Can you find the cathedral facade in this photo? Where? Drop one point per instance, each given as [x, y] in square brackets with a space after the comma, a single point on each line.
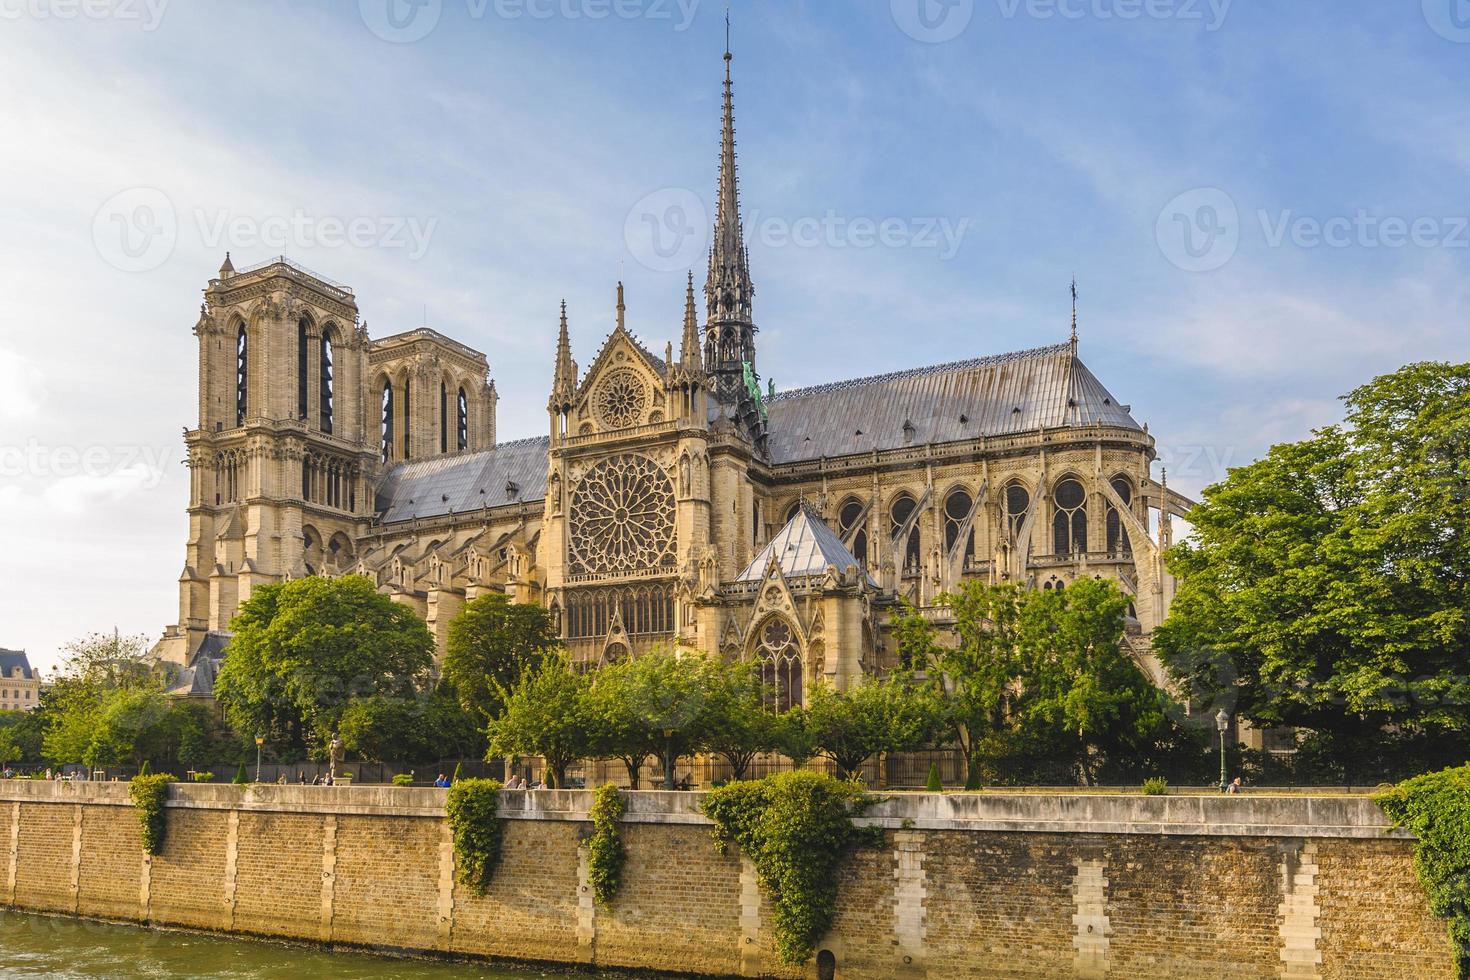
[673, 502]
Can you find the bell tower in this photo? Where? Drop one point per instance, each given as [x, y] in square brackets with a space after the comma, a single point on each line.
[280, 462]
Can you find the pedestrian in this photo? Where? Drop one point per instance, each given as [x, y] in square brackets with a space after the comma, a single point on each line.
[1235, 786]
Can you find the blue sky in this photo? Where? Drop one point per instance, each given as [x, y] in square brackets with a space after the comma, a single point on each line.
[1263, 203]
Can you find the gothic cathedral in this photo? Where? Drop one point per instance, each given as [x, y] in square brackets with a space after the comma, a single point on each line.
[674, 502]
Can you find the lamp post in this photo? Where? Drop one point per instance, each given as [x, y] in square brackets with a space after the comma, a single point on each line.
[668, 758]
[260, 740]
[1222, 722]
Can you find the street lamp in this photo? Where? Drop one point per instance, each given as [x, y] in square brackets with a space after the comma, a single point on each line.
[668, 758]
[1222, 722]
[260, 740]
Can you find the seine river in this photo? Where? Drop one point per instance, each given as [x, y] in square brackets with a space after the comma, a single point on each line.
[42, 946]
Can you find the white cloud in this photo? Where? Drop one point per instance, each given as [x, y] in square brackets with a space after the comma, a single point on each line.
[22, 386]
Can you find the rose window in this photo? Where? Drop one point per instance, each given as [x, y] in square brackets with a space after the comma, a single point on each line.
[622, 400]
[622, 517]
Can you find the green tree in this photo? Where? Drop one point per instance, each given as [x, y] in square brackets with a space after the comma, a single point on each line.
[546, 714]
[978, 671]
[1325, 584]
[491, 643]
[739, 725]
[384, 728]
[891, 714]
[25, 730]
[621, 730]
[10, 748]
[303, 650]
[671, 693]
[1079, 685]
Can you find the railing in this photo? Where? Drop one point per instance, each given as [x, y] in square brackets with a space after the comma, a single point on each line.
[344, 290]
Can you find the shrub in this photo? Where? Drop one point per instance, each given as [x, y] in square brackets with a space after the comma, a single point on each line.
[1435, 808]
[150, 794]
[403, 779]
[240, 778]
[934, 785]
[797, 829]
[605, 851]
[474, 818]
[203, 777]
[1155, 786]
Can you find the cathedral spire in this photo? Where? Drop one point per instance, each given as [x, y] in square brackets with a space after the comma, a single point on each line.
[728, 290]
[689, 345]
[564, 382]
[1074, 314]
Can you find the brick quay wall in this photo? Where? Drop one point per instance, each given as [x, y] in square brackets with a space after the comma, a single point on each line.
[981, 886]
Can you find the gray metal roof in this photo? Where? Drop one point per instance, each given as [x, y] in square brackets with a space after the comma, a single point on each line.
[15, 660]
[1043, 388]
[805, 547]
[510, 473]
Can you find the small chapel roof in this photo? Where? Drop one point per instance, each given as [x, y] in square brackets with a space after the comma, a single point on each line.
[805, 547]
[1048, 387]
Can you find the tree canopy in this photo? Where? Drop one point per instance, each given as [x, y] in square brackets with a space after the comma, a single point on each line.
[303, 650]
[1325, 584]
[490, 644]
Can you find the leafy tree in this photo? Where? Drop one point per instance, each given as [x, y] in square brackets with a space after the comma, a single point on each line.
[1079, 685]
[1039, 686]
[384, 728]
[892, 714]
[1325, 584]
[546, 714]
[24, 730]
[621, 730]
[672, 696]
[978, 672]
[491, 643]
[739, 724]
[10, 749]
[303, 650]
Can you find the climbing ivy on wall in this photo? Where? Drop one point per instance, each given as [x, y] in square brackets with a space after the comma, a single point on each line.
[474, 818]
[150, 796]
[797, 829]
[605, 851]
[1435, 808]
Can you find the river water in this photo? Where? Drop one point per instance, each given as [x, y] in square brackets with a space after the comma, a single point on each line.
[68, 949]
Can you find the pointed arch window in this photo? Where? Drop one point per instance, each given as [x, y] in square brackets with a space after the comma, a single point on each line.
[407, 421]
[443, 418]
[463, 439]
[242, 376]
[386, 425]
[303, 369]
[1118, 543]
[1069, 523]
[848, 518]
[326, 398]
[957, 508]
[780, 665]
[1017, 501]
[899, 514]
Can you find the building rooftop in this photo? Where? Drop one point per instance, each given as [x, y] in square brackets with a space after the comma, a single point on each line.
[1048, 387]
[512, 472]
[15, 664]
[805, 547]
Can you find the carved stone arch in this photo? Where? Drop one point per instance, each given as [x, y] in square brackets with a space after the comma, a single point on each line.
[779, 651]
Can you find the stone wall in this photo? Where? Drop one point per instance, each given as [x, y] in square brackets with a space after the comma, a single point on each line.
[978, 886]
